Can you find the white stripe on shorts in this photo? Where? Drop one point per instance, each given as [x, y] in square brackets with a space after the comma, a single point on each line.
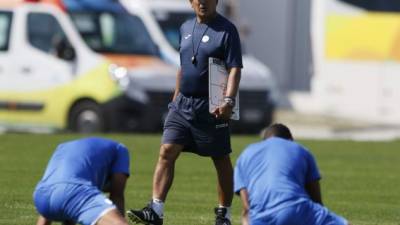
[103, 213]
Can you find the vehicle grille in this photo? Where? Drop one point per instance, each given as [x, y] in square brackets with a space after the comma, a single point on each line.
[259, 99]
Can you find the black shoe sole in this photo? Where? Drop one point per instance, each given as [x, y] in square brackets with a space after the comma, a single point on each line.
[135, 219]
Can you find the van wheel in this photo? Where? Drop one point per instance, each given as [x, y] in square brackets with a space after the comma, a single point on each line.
[86, 117]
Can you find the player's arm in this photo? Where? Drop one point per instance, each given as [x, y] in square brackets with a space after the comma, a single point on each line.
[225, 110]
[245, 206]
[177, 83]
[314, 190]
[233, 81]
[117, 188]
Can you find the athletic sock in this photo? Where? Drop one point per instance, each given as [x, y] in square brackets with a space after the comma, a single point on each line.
[158, 206]
[228, 211]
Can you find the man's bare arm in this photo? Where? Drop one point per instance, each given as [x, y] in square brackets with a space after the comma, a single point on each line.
[177, 83]
[232, 88]
[245, 206]
[118, 183]
[314, 190]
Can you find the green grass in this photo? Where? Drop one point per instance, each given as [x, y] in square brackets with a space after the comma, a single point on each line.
[360, 179]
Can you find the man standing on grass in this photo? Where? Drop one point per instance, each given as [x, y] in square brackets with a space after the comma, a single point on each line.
[71, 188]
[278, 182]
[189, 126]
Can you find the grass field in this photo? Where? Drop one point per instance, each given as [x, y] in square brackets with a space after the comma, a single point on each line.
[361, 180]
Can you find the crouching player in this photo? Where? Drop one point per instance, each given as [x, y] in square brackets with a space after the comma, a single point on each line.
[278, 182]
[71, 188]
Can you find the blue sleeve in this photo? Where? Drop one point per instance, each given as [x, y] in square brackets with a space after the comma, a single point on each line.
[312, 168]
[121, 161]
[233, 52]
[239, 181]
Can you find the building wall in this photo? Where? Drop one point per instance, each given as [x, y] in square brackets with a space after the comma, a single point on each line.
[280, 37]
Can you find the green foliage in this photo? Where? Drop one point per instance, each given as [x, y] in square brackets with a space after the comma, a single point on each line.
[360, 179]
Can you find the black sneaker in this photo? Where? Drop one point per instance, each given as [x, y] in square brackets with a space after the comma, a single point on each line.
[145, 216]
[220, 217]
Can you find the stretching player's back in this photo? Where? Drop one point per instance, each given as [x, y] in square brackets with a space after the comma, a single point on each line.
[71, 188]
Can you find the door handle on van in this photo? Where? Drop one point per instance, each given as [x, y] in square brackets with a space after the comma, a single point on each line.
[26, 70]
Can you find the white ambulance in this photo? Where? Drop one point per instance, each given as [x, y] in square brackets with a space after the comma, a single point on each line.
[50, 79]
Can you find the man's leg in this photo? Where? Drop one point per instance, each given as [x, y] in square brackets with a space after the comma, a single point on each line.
[43, 221]
[223, 165]
[112, 217]
[162, 182]
[164, 171]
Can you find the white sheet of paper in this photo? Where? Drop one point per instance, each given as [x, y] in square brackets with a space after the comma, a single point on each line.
[217, 83]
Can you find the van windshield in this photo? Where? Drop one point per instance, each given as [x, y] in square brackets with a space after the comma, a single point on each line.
[5, 25]
[170, 23]
[376, 5]
[114, 33]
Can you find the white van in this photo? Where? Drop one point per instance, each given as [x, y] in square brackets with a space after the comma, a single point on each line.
[258, 88]
[50, 79]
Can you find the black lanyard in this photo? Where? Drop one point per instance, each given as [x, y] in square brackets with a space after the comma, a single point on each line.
[196, 50]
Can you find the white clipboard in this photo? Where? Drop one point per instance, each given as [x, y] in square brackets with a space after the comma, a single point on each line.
[217, 83]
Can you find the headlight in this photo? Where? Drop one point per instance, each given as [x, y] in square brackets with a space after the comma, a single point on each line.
[131, 89]
[120, 75]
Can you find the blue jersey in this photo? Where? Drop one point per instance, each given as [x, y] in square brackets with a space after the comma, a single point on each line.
[219, 39]
[274, 173]
[89, 161]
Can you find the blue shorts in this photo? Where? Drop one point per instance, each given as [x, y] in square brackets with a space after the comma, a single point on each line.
[190, 124]
[83, 204]
[305, 213]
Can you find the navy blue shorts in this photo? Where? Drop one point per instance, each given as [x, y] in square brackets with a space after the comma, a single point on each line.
[190, 124]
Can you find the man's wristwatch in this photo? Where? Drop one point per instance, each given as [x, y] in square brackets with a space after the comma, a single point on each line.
[229, 101]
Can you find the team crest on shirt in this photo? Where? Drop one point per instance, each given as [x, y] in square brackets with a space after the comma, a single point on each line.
[205, 39]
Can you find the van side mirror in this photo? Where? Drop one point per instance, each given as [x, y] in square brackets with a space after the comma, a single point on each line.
[64, 50]
[68, 53]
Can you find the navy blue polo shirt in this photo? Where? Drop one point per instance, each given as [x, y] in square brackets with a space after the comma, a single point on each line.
[219, 39]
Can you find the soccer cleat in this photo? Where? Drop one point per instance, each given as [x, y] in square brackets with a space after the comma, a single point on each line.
[145, 216]
[220, 218]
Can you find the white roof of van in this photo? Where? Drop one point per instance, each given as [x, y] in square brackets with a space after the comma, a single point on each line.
[10, 3]
[171, 5]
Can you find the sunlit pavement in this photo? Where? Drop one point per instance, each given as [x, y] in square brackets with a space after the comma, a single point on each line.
[305, 126]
